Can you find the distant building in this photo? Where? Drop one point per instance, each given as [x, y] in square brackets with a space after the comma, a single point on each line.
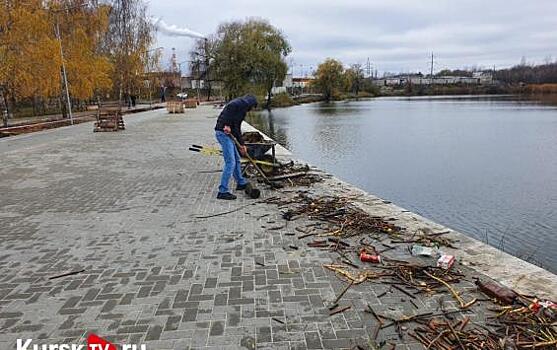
[191, 83]
[485, 77]
[401, 79]
[283, 86]
[287, 82]
[301, 82]
[419, 79]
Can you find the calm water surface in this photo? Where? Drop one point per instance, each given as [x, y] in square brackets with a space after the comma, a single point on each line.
[486, 166]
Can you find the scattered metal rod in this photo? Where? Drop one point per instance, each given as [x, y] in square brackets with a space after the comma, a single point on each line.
[226, 212]
[350, 263]
[66, 274]
[210, 172]
[343, 292]
[340, 310]
[371, 311]
[376, 332]
[403, 291]
[404, 319]
[463, 305]
[338, 241]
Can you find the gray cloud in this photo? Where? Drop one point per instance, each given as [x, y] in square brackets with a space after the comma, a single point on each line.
[395, 35]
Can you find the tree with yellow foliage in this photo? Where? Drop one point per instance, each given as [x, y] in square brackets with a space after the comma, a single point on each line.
[104, 46]
[82, 28]
[28, 65]
[30, 59]
[329, 78]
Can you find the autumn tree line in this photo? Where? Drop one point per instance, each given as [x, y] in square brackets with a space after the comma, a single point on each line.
[104, 48]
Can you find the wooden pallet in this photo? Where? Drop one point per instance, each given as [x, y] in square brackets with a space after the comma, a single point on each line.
[190, 103]
[175, 107]
[109, 117]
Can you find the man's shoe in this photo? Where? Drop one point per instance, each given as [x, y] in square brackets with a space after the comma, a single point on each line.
[226, 196]
[242, 187]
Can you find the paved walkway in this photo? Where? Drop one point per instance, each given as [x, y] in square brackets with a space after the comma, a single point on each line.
[122, 207]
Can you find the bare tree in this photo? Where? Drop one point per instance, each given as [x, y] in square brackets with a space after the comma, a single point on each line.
[129, 37]
[202, 59]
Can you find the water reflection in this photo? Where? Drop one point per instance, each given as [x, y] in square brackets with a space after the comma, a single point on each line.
[265, 121]
[484, 165]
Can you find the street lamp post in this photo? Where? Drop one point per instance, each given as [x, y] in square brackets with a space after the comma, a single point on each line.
[197, 62]
[64, 75]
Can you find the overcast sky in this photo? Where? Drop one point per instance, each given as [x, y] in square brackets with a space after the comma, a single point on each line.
[396, 35]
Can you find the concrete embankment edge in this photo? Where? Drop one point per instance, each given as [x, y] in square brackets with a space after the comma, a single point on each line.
[520, 275]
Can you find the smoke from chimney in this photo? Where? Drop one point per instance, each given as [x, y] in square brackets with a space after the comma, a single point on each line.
[173, 30]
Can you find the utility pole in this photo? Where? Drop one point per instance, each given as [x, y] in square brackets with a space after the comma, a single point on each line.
[431, 73]
[64, 75]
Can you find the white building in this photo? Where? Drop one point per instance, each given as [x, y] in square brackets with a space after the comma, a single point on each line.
[419, 79]
[282, 87]
[485, 77]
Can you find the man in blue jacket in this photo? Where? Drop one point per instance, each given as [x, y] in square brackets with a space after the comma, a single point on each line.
[229, 124]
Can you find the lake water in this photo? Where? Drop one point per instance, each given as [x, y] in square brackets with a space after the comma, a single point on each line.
[486, 166]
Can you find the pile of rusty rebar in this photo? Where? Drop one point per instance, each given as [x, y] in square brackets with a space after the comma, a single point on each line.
[344, 218]
[443, 334]
[517, 328]
[294, 175]
[339, 226]
[427, 238]
[527, 326]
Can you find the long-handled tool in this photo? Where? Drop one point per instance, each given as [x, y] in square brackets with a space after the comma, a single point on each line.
[210, 151]
[214, 151]
[253, 163]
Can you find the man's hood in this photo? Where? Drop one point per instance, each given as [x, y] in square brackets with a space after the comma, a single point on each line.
[250, 101]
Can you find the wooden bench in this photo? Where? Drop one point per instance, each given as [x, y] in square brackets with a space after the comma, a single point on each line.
[109, 117]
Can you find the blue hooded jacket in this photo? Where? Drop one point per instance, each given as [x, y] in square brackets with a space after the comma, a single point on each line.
[234, 113]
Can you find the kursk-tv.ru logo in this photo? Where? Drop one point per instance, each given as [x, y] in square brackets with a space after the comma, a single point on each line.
[94, 342]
